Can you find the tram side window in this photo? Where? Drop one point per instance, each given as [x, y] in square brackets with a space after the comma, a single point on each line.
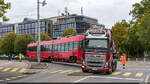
[62, 47]
[50, 48]
[47, 48]
[32, 49]
[76, 45]
[42, 48]
[56, 48]
[70, 45]
[66, 47]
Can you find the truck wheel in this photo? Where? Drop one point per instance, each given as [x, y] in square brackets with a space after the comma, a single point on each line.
[114, 66]
[85, 71]
[109, 72]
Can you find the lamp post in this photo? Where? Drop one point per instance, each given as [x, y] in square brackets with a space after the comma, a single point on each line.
[38, 27]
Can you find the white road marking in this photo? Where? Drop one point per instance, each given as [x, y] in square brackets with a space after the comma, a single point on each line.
[106, 77]
[20, 76]
[1, 80]
[13, 77]
[81, 79]
[8, 79]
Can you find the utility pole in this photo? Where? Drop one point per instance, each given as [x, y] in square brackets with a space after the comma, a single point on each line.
[38, 28]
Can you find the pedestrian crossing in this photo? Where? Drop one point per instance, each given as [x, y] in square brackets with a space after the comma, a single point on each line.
[125, 74]
[65, 71]
[7, 69]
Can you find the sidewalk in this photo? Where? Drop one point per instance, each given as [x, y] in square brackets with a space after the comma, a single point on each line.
[136, 63]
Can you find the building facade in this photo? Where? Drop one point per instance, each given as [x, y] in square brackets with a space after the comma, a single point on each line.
[53, 26]
[78, 22]
[4, 29]
[27, 27]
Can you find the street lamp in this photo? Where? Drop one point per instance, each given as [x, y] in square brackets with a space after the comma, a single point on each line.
[38, 27]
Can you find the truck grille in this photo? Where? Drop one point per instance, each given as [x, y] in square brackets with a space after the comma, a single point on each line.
[95, 61]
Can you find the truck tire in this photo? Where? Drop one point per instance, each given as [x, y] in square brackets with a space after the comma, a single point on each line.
[85, 71]
[114, 66]
[109, 72]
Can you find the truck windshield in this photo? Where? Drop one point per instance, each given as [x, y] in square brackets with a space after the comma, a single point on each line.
[96, 43]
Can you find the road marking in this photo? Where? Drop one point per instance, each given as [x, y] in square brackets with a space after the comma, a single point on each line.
[56, 71]
[14, 70]
[7, 79]
[1, 80]
[107, 77]
[139, 74]
[127, 74]
[22, 70]
[19, 76]
[6, 69]
[1, 67]
[75, 71]
[13, 77]
[66, 71]
[116, 73]
[81, 79]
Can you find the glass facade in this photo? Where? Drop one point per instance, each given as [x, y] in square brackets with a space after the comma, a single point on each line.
[5, 29]
[31, 27]
[80, 23]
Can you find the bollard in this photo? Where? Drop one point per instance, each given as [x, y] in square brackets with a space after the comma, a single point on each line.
[128, 59]
[136, 59]
[144, 59]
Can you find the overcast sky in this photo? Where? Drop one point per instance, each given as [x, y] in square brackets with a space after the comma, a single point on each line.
[108, 12]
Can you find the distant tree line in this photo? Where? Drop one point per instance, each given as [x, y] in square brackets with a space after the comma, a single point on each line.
[13, 44]
[133, 37]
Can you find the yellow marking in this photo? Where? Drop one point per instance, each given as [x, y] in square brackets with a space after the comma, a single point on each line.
[1, 67]
[66, 71]
[22, 70]
[116, 73]
[56, 71]
[14, 70]
[139, 74]
[127, 74]
[75, 71]
[6, 69]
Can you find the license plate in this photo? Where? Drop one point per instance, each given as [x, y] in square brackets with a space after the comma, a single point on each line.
[94, 69]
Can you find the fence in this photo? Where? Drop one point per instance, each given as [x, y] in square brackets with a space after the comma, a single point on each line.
[139, 59]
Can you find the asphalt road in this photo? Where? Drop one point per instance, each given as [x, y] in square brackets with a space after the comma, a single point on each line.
[11, 70]
[135, 72]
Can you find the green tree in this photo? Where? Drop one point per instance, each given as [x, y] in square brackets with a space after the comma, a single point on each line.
[134, 46]
[44, 37]
[3, 9]
[0, 45]
[7, 44]
[140, 9]
[144, 32]
[69, 31]
[120, 36]
[20, 44]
